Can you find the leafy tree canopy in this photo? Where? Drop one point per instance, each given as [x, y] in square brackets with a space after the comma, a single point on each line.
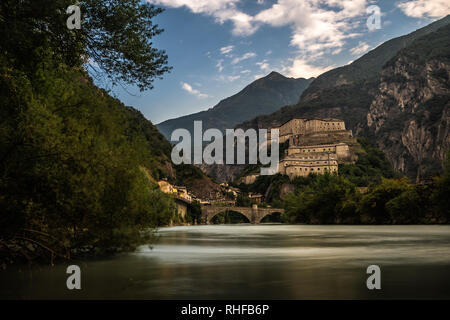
[115, 37]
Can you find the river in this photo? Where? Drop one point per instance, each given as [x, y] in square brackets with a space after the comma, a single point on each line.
[268, 261]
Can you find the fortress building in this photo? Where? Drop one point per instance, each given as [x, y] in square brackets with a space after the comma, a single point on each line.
[299, 165]
[320, 128]
[315, 146]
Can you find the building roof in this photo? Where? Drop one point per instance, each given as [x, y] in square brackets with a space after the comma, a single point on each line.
[321, 119]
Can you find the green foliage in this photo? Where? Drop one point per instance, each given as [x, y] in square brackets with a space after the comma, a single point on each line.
[440, 195]
[77, 167]
[194, 213]
[370, 167]
[373, 207]
[187, 174]
[326, 199]
[116, 35]
[243, 201]
[411, 206]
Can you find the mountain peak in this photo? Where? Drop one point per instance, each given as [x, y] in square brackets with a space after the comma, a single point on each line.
[275, 75]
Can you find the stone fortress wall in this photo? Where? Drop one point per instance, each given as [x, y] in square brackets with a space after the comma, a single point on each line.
[300, 165]
[326, 152]
[341, 150]
[305, 127]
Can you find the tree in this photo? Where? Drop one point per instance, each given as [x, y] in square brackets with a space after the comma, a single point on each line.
[441, 193]
[194, 213]
[324, 199]
[116, 36]
[372, 207]
[411, 206]
[74, 163]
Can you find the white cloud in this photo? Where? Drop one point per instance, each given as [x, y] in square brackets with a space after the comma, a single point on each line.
[246, 56]
[221, 10]
[361, 48]
[425, 8]
[227, 78]
[245, 71]
[233, 78]
[226, 50]
[300, 68]
[263, 65]
[316, 25]
[219, 65]
[188, 88]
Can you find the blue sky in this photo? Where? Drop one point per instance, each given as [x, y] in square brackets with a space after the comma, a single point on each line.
[217, 47]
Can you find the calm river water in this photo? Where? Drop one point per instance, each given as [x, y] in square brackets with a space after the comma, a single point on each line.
[257, 262]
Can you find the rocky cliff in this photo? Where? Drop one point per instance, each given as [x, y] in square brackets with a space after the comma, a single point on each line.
[409, 115]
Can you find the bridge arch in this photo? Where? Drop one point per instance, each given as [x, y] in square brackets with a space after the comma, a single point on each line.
[209, 212]
[231, 216]
[271, 213]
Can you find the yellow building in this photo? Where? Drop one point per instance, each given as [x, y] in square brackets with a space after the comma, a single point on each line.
[166, 187]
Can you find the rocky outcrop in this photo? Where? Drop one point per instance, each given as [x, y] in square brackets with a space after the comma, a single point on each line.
[410, 116]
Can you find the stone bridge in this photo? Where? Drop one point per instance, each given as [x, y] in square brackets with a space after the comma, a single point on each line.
[253, 214]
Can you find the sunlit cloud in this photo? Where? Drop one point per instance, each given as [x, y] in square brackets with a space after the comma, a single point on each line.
[188, 88]
[300, 68]
[425, 8]
[221, 10]
[263, 65]
[226, 50]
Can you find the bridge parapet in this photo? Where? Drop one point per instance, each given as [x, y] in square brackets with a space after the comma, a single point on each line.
[253, 214]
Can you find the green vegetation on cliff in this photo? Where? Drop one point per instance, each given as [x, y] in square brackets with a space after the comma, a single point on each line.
[77, 167]
[333, 199]
[388, 198]
[370, 167]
